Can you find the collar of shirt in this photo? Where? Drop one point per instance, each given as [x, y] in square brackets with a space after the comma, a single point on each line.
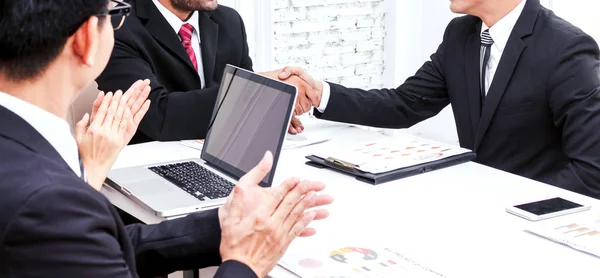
[501, 31]
[54, 129]
[175, 22]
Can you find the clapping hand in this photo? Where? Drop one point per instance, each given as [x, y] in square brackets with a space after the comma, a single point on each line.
[258, 224]
[114, 120]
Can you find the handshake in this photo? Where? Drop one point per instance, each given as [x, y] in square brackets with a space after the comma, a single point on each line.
[310, 91]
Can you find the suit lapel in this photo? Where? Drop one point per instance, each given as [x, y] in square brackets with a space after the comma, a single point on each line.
[508, 62]
[472, 49]
[209, 36]
[160, 29]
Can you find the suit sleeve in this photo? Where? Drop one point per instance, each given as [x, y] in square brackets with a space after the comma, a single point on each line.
[246, 60]
[187, 243]
[574, 99]
[170, 112]
[422, 96]
[234, 269]
[74, 240]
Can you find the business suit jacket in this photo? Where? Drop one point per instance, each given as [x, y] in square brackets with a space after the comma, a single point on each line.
[541, 115]
[53, 224]
[146, 47]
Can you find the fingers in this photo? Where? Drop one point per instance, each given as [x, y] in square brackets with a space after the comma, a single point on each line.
[125, 123]
[323, 200]
[287, 72]
[139, 115]
[258, 173]
[236, 205]
[294, 204]
[101, 112]
[297, 123]
[321, 214]
[308, 232]
[81, 127]
[96, 104]
[295, 126]
[133, 92]
[300, 226]
[138, 93]
[112, 110]
[305, 106]
[292, 129]
[119, 119]
[277, 195]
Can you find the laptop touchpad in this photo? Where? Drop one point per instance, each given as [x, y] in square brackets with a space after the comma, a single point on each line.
[149, 187]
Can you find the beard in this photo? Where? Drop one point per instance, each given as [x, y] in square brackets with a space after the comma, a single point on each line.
[195, 5]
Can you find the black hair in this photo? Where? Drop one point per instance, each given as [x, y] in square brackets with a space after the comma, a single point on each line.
[34, 32]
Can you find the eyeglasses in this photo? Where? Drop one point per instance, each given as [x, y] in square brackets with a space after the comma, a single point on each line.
[118, 10]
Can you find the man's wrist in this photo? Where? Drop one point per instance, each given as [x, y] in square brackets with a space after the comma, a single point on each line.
[95, 180]
[319, 88]
[95, 176]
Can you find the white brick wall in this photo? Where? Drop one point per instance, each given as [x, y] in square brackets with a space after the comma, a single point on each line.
[337, 40]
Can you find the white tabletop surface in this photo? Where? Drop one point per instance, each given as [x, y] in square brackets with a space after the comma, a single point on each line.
[452, 219]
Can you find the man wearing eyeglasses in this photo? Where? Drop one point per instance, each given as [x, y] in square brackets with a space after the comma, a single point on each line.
[53, 220]
[182, 46]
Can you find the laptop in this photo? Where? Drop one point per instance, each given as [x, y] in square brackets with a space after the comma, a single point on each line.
[251, 116]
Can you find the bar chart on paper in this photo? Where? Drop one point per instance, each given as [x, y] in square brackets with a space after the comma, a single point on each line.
[359, 262]
[581, 235]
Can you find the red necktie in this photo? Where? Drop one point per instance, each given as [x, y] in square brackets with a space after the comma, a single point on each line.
[185, 33]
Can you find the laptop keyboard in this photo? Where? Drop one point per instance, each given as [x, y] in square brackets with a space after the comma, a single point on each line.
[195, 180]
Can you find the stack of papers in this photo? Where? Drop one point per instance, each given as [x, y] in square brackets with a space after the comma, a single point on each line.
[581, 235]
[394, 153]
[325, 260]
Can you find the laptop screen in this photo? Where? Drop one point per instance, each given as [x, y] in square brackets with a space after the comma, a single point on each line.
[251, 116]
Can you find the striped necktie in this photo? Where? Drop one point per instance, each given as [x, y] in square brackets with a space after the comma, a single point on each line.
[185, 33]
[486, 47]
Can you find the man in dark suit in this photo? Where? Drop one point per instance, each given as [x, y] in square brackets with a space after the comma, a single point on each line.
[523, 84]
[182, 46]
[52, 222]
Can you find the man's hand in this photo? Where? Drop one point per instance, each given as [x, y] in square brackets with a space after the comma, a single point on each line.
[295, 126]
[258, 224]
[305, 89]
[111, 129]
[314, 95]
[137, 96]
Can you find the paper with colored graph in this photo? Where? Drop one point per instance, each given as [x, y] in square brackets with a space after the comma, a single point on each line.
[352, 261]
[582, 235]
[394, 153]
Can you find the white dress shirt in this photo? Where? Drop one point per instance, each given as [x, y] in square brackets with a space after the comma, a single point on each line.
[54, 129]
[176, 23]
[500, 33]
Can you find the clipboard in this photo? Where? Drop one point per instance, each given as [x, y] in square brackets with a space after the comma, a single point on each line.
[349, 168]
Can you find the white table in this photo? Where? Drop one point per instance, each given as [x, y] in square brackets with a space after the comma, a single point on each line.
[452, 219]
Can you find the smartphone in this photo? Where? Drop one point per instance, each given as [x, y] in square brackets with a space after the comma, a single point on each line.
[545, 209]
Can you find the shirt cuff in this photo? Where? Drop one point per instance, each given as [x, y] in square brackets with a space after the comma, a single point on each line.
[324, 97]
